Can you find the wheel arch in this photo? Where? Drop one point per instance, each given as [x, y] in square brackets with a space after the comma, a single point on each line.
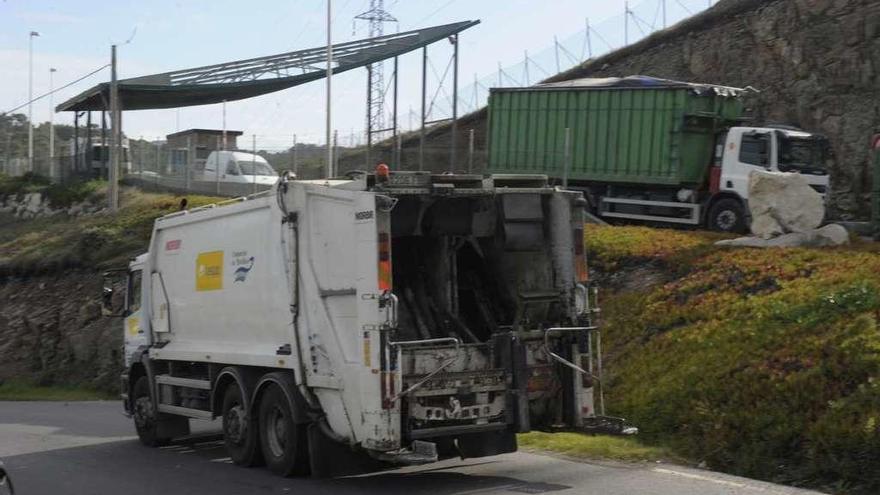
[232, 375]
[725, 195]
[287, 383]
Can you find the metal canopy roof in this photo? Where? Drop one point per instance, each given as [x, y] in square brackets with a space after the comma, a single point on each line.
[254, 77]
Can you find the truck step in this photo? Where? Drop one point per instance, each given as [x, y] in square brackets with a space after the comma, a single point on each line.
[186, 411]
[183, 382]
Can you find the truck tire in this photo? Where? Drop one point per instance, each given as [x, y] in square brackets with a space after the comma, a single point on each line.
[283, 442]
[727, 215]
[240, 431]
[146, 418]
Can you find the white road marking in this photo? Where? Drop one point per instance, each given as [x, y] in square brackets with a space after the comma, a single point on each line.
[733, 484]
[18, 439]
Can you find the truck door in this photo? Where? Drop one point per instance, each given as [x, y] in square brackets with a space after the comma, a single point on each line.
[746, 149]
[341, 313]
[135, 327]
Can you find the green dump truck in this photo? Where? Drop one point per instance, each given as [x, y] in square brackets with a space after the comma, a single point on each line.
[647, 149]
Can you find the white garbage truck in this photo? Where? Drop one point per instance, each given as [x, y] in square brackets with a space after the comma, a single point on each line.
[381, 319]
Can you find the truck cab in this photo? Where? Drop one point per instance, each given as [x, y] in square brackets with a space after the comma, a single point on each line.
[744, 149]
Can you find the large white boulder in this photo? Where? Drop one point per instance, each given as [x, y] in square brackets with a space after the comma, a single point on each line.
[829, 235]
[781, 203]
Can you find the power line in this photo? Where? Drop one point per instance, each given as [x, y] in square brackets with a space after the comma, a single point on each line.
[57, 90]
[432, 14]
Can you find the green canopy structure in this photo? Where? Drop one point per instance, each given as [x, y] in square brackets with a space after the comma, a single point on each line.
[242, 79]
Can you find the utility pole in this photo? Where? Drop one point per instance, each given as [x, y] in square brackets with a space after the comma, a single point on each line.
[377, 16]
[663, 3]
[526, 66]
[556, 46]
[452, 156]
[587, 39]
[116, 135]
[30, 100]
[329, 164]
[52, 168]
[625, 23]
[424, 109]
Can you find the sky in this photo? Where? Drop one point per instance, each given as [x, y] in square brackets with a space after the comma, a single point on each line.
[163, 35]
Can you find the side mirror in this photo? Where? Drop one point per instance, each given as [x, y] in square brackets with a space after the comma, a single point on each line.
[113, 293]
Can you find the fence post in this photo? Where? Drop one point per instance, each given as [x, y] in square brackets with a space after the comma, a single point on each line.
[187, 165]
[158, 162]
[141, 155]
[217, 165]
[254, 164]
[470, 151]
[293, 156]
[566, 158]
[335, 153]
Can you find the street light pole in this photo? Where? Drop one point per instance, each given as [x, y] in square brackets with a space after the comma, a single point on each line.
[30, 100]
[52, 168]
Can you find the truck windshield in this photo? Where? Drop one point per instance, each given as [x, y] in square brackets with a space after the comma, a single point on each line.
[255, 168]
[806, 155]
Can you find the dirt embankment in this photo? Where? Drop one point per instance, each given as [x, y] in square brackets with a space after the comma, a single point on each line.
[52, 331]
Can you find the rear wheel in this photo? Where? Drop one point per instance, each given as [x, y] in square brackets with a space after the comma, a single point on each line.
[283, 442]
[240, 432]
[727, 215]
[146, 418]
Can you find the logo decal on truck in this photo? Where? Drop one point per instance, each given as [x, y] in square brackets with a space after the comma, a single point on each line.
[172, 246]
[209, 271]
[244, 267]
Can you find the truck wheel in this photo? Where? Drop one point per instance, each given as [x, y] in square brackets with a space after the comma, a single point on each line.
[283, 442]
[239, 429]
[146, 418]
[727, 215]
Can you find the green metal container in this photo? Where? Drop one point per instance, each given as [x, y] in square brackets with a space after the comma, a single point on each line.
[663, 134]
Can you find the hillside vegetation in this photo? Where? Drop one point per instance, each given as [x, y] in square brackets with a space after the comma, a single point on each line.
[764, 363]
[48, 245]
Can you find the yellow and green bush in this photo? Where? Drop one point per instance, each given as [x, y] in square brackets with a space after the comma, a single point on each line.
[760, 362]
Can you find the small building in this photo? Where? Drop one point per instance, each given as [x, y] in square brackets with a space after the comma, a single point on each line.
[198, 143]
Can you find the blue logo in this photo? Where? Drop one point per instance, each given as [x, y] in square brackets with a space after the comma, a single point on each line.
[242, 271]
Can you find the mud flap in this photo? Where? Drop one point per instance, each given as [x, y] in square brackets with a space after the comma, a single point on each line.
[487, 443]
[329, 458]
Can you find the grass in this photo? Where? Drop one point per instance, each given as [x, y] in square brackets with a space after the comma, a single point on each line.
[23, 391]
[761, 362]
[48, 245]
[629, 449]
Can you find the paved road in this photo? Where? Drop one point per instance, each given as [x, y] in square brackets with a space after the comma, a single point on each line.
[89, 448]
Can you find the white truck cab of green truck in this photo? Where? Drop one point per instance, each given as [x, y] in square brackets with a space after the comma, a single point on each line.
[388, 318]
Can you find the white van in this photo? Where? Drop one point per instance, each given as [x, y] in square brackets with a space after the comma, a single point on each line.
[239, 167]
